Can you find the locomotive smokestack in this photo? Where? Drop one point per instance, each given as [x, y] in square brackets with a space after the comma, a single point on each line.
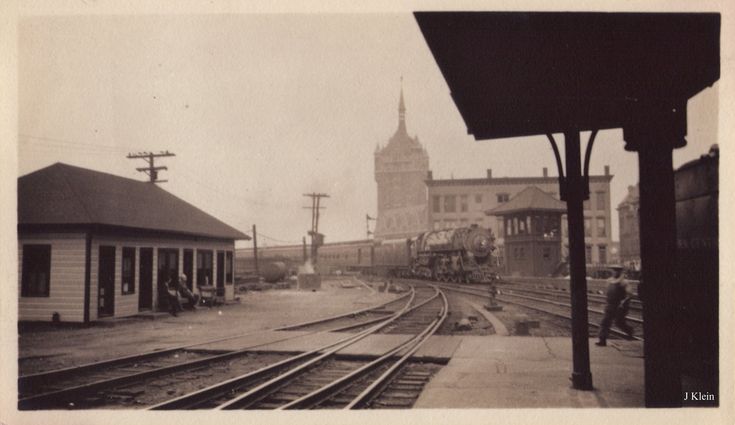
[546, 172]
[429, 175]
[489, 173]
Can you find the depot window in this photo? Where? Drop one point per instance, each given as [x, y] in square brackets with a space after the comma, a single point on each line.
[36, 275]
[228, 267]
[204, 268]
[128, 271]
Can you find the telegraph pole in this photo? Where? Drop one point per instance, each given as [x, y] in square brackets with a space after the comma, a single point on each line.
[317, 239]
[151, 169]
[368, 219]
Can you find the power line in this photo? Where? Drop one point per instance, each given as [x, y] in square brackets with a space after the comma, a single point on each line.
[66, 142]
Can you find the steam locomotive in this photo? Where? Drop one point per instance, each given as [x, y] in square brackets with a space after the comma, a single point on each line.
[451, 255]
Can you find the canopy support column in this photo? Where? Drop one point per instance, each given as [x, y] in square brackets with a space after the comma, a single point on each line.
[576, 192]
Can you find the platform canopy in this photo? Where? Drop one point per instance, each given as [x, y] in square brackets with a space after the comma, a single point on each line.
[517, 74]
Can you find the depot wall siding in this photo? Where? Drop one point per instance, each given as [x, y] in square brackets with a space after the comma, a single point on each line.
[66, 283]
[66, 279]
[127, 305]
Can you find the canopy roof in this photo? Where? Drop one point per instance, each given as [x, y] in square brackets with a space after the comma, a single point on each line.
[516, 74]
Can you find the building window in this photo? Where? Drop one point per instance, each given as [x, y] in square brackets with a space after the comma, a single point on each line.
[228, 267]
[601, 231]
[602, 251]
[478, 198]
[437, 200]
[588, 253]
[522, 226]
[450, 203]
[128, 271]
[601, 201]
[547, 253]
[503, 197]
[204, 268]
[521, 254]
[587, 226]
[463, 203]
[36, 277]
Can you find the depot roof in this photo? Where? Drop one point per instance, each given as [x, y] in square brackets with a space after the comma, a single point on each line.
[62, 194]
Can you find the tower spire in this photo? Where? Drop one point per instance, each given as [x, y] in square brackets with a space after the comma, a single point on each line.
[401, 111]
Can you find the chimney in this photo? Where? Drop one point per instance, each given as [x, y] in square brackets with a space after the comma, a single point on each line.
[546, 172]
[429, 175]
[607, 170]
[489, 173]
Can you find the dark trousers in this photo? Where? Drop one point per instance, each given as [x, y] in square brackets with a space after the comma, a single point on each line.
[174, 304]
[617, 315]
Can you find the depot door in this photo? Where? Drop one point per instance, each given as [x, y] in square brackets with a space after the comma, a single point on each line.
[106, 282]
[220, 273]
[189, 268]
[145, 296]
[168, 268]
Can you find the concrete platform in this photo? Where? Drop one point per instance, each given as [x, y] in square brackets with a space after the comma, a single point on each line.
[522, 372]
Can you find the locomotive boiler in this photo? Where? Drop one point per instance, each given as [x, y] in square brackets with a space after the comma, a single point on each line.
[458, 255]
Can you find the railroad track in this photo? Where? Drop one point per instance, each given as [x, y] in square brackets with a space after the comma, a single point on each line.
[635, 304]
[547, 306]
[75, 387]
[318, 378]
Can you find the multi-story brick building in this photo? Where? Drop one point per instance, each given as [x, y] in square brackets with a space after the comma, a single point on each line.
[630, 244]
[461, 202]
[400, 170]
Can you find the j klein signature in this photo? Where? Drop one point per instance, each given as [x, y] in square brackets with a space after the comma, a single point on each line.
[698, 396]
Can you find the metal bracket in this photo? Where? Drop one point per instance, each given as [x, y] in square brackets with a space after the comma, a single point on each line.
[586, 175]
[562, 179]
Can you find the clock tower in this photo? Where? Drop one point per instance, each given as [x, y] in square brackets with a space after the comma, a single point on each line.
[401, 168]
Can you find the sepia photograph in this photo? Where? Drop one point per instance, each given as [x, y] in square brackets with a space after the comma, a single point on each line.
[438, 213]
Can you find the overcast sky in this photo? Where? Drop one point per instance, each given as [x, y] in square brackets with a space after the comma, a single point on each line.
[260, 109]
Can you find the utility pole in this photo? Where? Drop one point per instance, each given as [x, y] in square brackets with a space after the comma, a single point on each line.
[303, 241]
[151, 169]
[368, 219]
[317, 239]
[255, 251]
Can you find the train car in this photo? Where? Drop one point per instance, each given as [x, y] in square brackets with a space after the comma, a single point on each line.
[393, 257]
[697, 193]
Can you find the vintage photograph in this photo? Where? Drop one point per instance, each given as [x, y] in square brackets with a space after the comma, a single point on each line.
[398, 210]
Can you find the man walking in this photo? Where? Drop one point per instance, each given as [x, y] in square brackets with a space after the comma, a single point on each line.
[618, 300]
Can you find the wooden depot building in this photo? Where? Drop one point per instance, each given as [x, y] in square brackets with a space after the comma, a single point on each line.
[93, 245]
